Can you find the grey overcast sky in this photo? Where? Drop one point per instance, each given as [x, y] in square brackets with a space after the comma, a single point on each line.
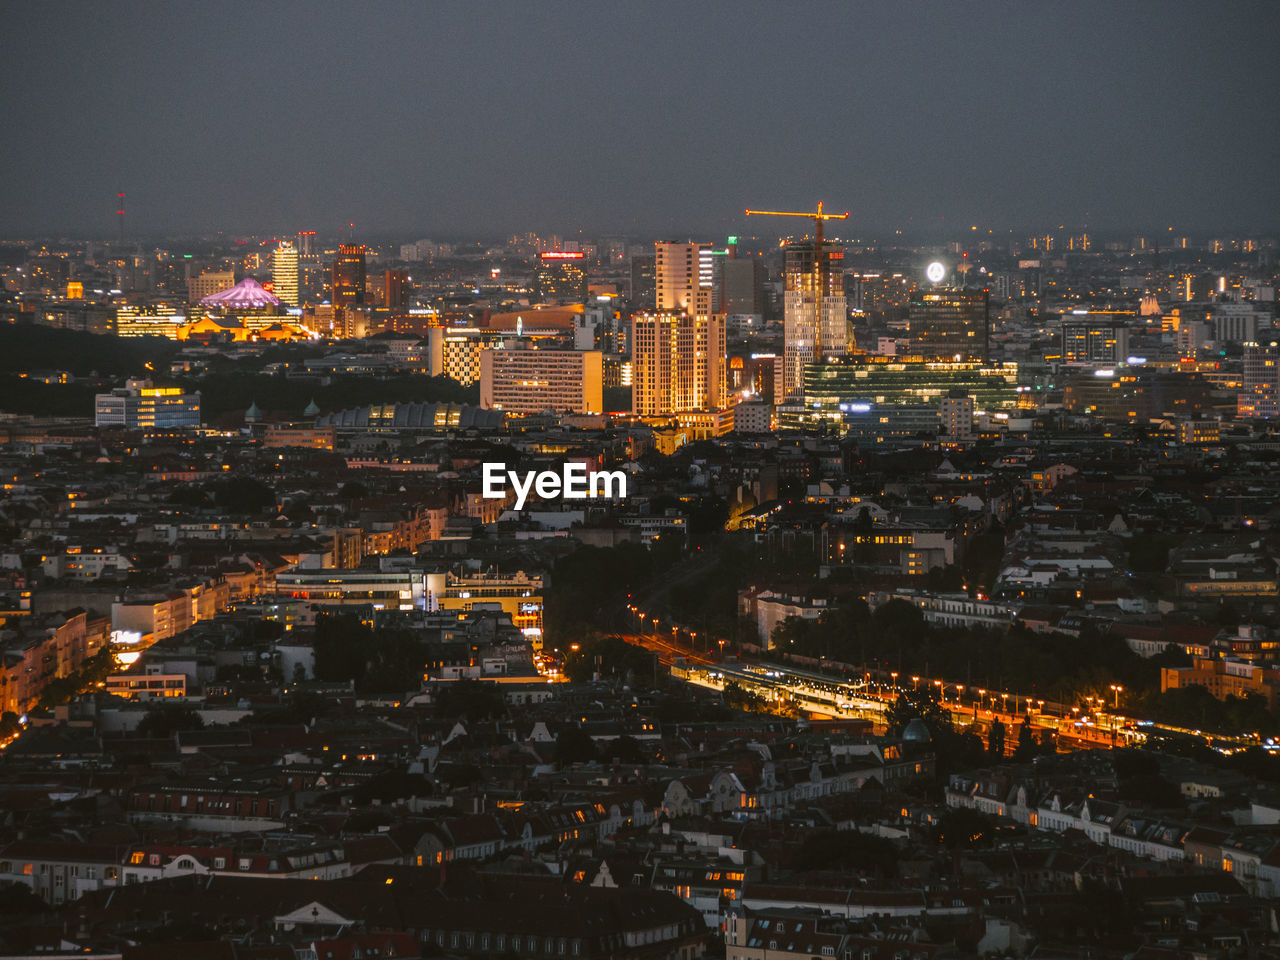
[486, 118]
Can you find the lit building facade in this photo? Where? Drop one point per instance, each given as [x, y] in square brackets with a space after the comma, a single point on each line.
[526, 381]
[149, 321]
[956, 414]
[677, 363]
[684, 278]
[561, 277]
[1225, 678]
[284, 273]
[517, 594]
[1087, 339]
[1260, 397]
[141, 406]
[377, 589]
[348, 275]
[954, 324]
[1136, 394]
[815, 314]
[209, 282]
[835, 390]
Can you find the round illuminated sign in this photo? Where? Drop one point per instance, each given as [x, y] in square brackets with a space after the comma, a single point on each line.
[934, 272]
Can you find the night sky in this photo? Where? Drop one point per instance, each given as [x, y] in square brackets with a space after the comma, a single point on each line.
[430, 119]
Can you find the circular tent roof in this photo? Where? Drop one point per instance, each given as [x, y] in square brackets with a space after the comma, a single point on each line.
[247, 293]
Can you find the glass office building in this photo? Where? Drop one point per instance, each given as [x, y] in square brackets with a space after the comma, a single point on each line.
[837, 389]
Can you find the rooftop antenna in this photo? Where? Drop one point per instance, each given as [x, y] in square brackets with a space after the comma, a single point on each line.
[120, 218]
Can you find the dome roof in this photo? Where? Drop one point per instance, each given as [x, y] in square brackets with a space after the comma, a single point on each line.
[245, 294]
[313, 410]
[917, 732]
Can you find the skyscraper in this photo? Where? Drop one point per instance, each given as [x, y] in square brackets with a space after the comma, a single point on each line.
[677, 362]
[684, 278]
[744, 286]
[395, 289]
[284, 273]
[641, 290]
[815, 318]
[561, 276]
[949, 323]
[1261, 394]
[348, 279]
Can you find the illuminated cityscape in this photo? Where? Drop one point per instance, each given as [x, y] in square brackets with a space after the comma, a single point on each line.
[444, 517]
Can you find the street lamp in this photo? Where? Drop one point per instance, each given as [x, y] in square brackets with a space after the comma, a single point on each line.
[915, 682]
[1116, 688]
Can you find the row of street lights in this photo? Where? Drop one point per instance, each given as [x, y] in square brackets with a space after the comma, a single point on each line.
[1096, 704]
[1021, 703]
[675, 631]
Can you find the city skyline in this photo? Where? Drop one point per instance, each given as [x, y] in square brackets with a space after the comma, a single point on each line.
[464, 122]
[640, 482]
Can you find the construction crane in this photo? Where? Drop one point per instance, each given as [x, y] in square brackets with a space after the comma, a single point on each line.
[820, 266]
[818, 218]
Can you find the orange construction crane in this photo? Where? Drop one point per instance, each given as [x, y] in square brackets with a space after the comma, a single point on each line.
[818, 219]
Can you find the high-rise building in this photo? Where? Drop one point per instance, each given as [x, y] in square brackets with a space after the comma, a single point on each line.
[743, 285]
[1092, 339]
[520, 380]
[677, 363]
[643, 281]
[348, 277]
[815, 318]
[561, 276]
[684, 278]
[396, 289]
[950, 323]
[878, 292]
[1261, 394]
[284, 273]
